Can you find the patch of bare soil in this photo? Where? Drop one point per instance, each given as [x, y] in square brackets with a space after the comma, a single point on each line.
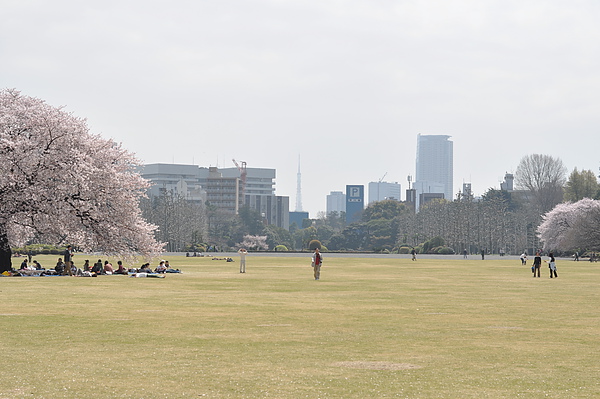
[377, 365]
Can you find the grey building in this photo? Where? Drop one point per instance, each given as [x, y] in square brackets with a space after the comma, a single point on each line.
[379, 191]
[434, 166]
[225, 188]
[336, 202]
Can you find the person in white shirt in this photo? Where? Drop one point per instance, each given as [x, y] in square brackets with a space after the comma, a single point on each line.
[243, 253]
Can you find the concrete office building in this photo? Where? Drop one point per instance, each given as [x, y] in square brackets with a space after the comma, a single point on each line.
[434, 167]
[223, 188]
[379, 191]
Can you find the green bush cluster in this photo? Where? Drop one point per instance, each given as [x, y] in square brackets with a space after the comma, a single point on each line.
[313, 244]
[442, 250]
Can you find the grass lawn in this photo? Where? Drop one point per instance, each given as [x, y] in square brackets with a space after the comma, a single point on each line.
[370, 328]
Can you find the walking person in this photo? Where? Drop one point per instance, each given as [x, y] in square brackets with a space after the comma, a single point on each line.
[414, 254]
[537, 263]
[67, 257]
[243, 252]
[464, 253]
[552, 265]
[317, 262]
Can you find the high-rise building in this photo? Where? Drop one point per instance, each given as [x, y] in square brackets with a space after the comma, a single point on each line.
[355, 202]
[379, 191]
[434, 166]
[336, 202]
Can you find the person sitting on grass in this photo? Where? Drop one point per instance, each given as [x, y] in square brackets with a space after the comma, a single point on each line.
[108, 269]
[72, 267]
[145, 268]
[161, 268]
[97, 268]
[120, 269]
[60, 266]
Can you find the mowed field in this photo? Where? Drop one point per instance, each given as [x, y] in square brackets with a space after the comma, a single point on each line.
[370, 328]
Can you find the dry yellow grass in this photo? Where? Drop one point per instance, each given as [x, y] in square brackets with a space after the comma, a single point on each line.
[370, 328]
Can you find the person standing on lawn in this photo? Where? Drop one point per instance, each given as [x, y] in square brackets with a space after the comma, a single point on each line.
[552, 265]
[243, 252]
[317, 262]
[537, 263]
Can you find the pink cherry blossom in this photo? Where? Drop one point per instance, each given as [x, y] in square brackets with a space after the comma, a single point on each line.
[572, 226]
[64, 185]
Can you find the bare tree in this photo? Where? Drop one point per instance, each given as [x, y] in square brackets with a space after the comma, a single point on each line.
[544, 177]
[180, 222]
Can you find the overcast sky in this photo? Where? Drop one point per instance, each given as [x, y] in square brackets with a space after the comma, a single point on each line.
[345, 85]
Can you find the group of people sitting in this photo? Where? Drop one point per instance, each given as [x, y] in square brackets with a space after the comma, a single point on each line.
[98, 268]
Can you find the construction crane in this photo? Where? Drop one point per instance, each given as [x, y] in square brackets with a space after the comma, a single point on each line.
[379, 184]
[243, 174]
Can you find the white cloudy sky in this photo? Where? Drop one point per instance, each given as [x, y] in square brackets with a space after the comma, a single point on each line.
[347, 85]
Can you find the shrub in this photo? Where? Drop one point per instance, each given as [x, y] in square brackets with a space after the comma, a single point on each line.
[281, 248]
[404, 250]
[313, 244]
[443, 250]
[430, 245]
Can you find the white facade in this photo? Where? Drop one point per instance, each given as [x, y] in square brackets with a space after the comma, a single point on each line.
[379, 191]
[336, 202]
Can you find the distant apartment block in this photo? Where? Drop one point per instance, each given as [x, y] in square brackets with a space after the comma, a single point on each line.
[379, 191]
[224, 188]
[336, 202]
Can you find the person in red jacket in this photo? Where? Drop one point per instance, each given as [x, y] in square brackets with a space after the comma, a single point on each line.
[317, 262]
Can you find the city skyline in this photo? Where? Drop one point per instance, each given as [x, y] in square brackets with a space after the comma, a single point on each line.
[345, 86]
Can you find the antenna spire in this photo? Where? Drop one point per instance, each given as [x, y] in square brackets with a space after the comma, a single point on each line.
[299, 188]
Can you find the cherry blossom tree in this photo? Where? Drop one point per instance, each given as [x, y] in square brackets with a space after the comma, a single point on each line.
[255, 242]
[65, 185]
[571, 226]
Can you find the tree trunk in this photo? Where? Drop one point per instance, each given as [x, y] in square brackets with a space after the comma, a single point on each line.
[5, 252]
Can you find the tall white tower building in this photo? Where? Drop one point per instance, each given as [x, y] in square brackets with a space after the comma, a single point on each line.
[434, 166]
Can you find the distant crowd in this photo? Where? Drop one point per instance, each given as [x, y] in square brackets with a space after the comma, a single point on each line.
[69, 268]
